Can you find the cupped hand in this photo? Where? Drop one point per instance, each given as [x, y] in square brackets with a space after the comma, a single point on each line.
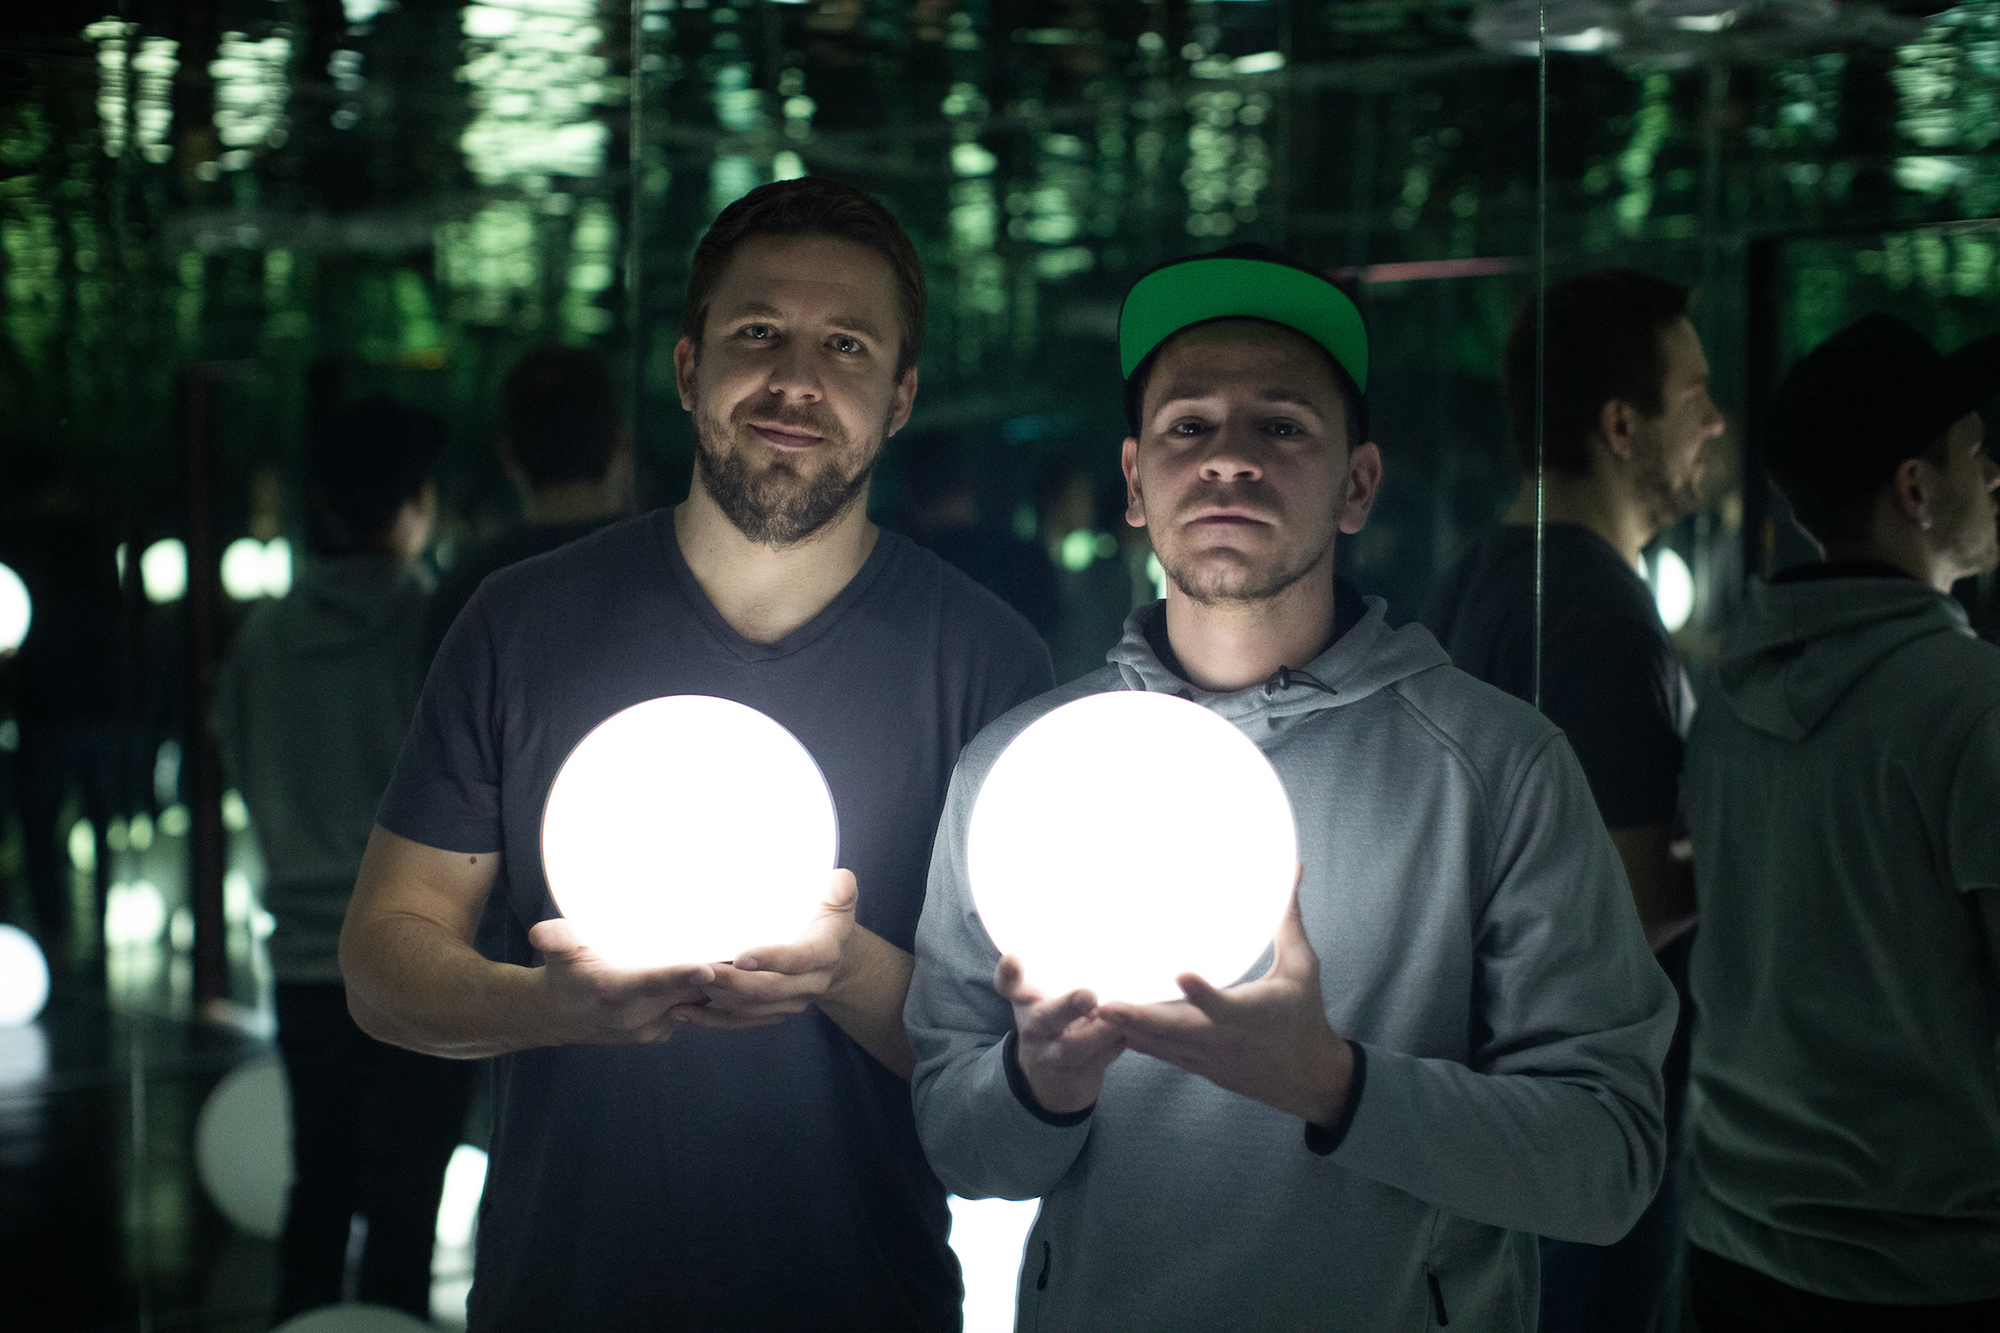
[593, 1003]
[1064, 1044]
[771, 983]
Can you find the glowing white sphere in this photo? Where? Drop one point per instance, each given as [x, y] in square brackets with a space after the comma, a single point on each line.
[17, 610]
[24, 977]
[355, 1318]
[163, 570]
[243, 1146]
[1126, 838]
[1673, 588]
[688, 829]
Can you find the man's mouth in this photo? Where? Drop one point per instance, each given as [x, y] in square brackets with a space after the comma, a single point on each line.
[784, 437]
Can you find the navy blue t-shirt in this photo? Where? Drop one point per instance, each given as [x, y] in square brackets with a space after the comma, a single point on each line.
[1610, 676]
[766, 1179]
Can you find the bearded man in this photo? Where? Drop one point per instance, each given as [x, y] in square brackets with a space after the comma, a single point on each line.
[1366, 1134]
[1627, 421]
[720, 1144]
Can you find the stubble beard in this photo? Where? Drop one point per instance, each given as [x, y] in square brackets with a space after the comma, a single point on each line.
[778, 505]
[1214, 579]
[1667, 499]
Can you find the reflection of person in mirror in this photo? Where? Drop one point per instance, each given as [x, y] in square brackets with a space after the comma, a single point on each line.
[1844, 797]
[1627, 421]
[721, 1143]
[310, 710]
[1365, 1136]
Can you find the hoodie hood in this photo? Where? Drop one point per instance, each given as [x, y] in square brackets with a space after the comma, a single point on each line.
[1798, 648]
[1370, 656]
[342, 602]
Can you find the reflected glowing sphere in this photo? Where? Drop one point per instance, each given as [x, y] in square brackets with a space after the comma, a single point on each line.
[688, 829]
[17, 610]
[243, 1146]
[1126, 838]
[24, 977]
[354, 1318]
[1673, 588]
[458, 1205]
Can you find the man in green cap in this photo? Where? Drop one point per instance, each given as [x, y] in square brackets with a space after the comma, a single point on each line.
[1423, 1074]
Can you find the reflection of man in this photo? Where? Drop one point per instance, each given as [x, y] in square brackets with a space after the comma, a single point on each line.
[761, 1168]
[1627, 416]
[311, 711]
[565, 450]
[1359, 1138]
[1844, 795]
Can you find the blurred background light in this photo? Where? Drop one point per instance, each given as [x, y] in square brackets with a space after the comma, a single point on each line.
[988, 1236]
[17, 610]
[1673, 587]
[24, 977]
[163, 570]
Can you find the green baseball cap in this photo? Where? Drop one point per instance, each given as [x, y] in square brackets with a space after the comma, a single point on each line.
[1240, 282]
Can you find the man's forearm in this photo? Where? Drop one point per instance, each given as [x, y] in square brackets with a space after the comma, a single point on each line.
[411, 983]
[866, 1000]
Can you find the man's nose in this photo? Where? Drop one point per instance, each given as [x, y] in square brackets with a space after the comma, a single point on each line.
[794, 372]
[1233, 455]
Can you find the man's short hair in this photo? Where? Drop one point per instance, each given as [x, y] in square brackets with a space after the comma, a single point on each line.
[363, 467]
[1602, 344]
[810, 206]
[559, 410]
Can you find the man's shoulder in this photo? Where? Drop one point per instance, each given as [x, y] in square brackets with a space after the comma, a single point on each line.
[608, 561]
[969, 612]
[1483, 724]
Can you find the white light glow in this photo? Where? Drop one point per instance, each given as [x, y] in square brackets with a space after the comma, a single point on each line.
[163, 569]
[253, 569]
[1126, 838]
[24, 1055]
[24, 977]
[988, 1236]
[458, 1206]
[688, 829]
[134, 914]
[354, 1317]
[243, 1146]
[17, 610]
[1673, 588]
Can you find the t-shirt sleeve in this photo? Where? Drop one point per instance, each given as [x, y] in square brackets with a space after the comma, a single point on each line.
[446, 789]
[1613, 686]
[1974, 809]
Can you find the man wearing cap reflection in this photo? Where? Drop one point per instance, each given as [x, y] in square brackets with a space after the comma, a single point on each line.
[1371, 1133]
[760, 1170]
[1844, 796]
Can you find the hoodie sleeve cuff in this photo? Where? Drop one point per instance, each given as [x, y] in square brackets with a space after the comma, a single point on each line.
[1017, 1083]
[1321, 1139]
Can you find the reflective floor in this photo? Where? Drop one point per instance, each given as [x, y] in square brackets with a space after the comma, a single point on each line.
[104, 1222]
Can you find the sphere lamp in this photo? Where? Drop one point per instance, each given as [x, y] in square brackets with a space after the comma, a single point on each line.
[243, 1146]
[17, 610]
[1126, 838]
[24, 977]
[688, 829]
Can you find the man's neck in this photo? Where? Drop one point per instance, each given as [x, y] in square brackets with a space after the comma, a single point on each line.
[1228, 646]
[1592, 502]
[1905, 549]
[765, 593]
[570, 502]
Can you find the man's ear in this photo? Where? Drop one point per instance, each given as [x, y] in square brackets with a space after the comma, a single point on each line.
[1364, 483]
[1135, 502]
[1618, 423]
[905, 399]
[1909, 493]
[685, 356]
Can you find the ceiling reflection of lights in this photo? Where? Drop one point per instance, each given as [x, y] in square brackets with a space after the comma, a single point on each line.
[1691, 15]
[1516, 26]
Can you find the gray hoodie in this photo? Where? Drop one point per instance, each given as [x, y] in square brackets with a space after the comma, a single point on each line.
[1476, 939]
[1844, 802]
[311, 709]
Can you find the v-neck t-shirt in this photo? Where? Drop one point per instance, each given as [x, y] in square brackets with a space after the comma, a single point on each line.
[768, 1178]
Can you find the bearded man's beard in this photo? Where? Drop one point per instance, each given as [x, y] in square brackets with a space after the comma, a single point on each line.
[1666, 500]
[780, 505]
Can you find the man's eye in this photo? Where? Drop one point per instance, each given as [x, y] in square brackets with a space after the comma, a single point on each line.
[1188, 426]
[845, 344]
[756, 332]
[1282, 427]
